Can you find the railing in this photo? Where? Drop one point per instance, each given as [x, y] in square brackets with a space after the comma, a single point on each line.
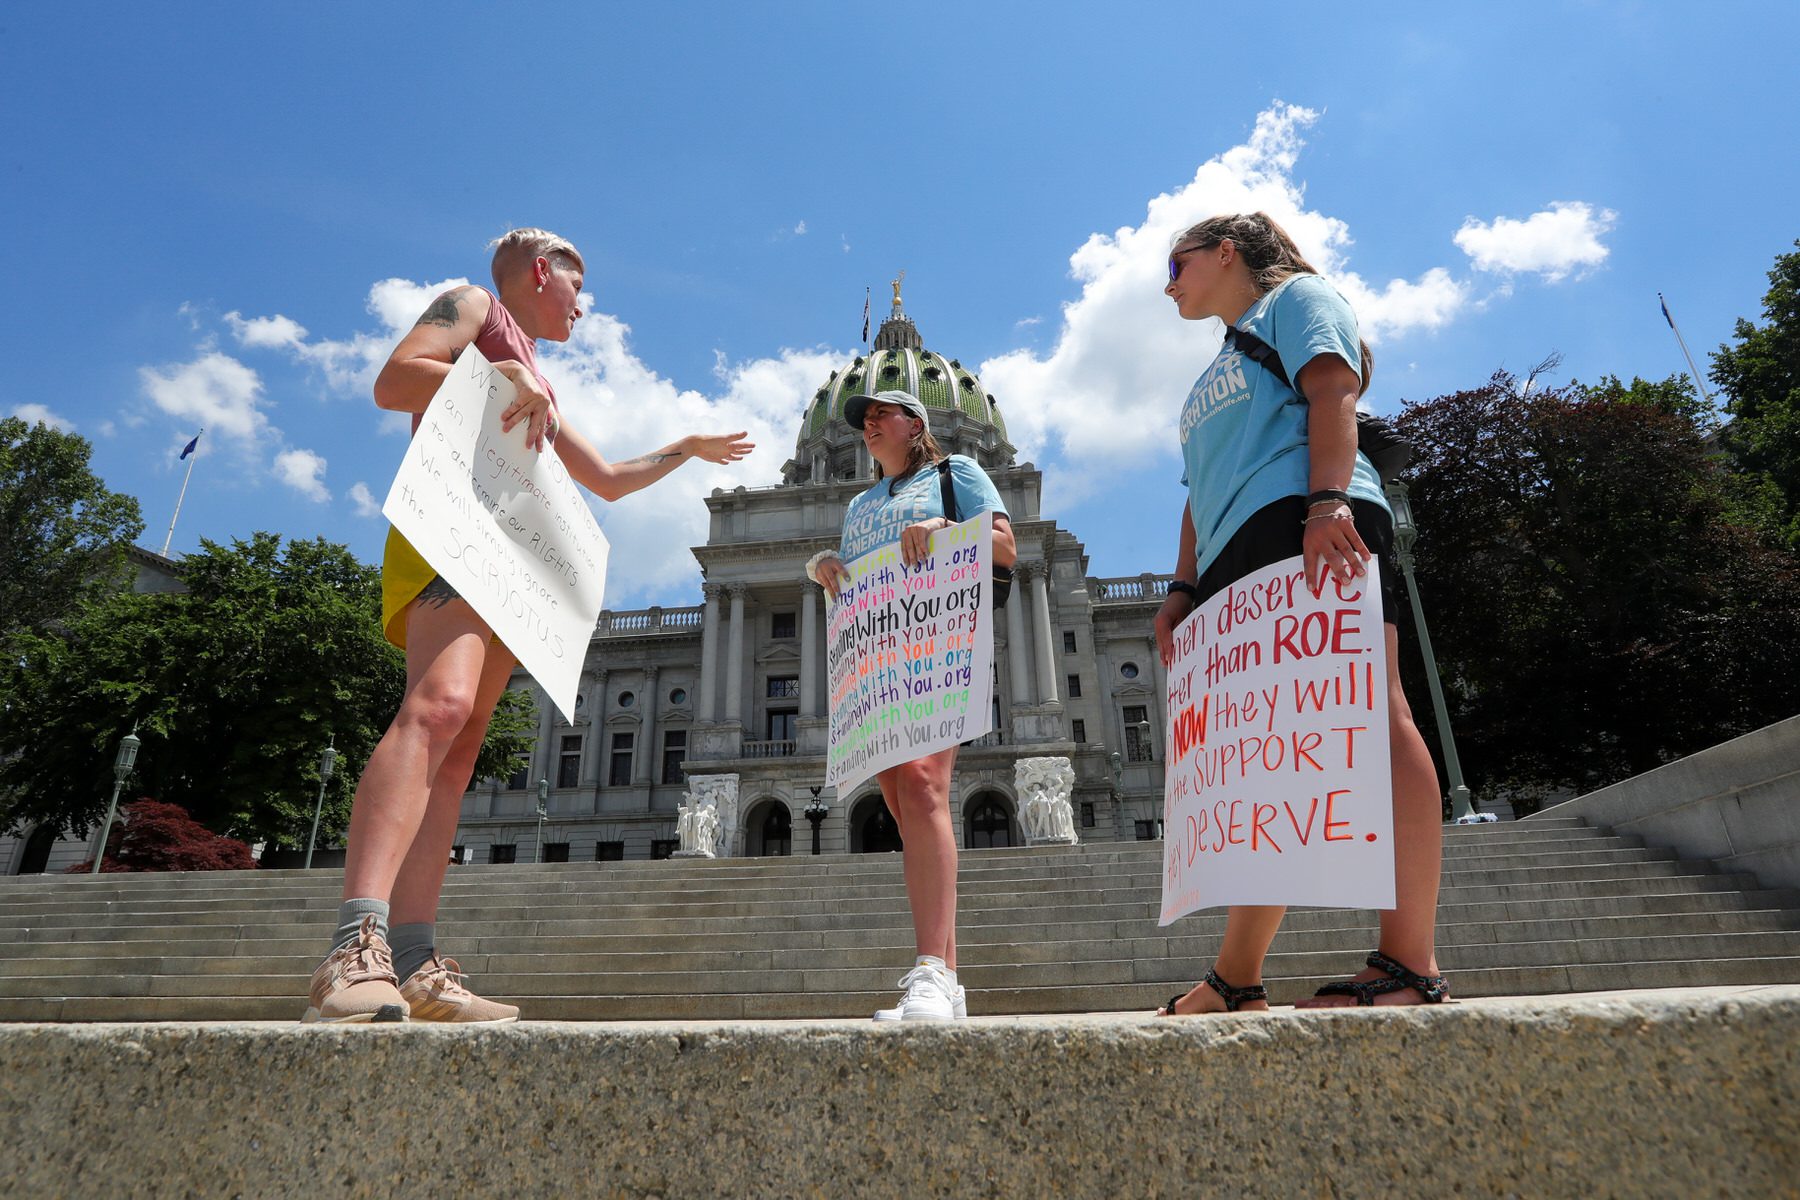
[994, 738]
[1129, 588]
[650, 620]
[777, 749]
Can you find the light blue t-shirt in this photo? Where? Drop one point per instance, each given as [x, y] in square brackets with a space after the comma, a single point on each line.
[876, 517]
[1243, 432]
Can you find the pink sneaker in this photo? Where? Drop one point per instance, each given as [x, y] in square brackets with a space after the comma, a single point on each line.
[355, 984]
[435, 993]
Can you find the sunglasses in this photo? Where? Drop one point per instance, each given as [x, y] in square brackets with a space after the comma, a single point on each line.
[1179, 259]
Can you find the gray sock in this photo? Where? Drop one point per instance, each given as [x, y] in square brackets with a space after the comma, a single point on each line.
[350, 915]
[413, 946]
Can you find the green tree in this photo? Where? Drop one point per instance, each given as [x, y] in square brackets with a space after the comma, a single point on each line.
[235, 687]
[1595, 609]
[63, 535]
[1760, 377]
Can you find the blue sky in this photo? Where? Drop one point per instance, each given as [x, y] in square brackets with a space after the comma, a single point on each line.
[225, 217]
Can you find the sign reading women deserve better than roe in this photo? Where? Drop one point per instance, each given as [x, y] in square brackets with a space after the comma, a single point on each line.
[1279, 786]
[909, 653]
[505, 526]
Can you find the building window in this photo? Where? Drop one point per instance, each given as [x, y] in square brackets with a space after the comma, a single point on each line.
[503, 854]
[619, 773]
[1148, 831]
[609, 852]
[663, 847]
[520, 779]
[781, 625]
[556, 852]
[989, 825]
[1068, 641]
[627, 699]
[674, 750]
[1137, 734]
[777, 832]
[783, 687]
[1129, 670]
[568, 766]
[678, 697]
[1074, 686]
[1078, 731]
[783, 725]
[1087, 814]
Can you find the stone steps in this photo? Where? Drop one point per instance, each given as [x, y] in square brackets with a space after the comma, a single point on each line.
[1550, 906]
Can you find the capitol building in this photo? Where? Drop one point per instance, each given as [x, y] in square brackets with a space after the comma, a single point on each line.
[730, 692]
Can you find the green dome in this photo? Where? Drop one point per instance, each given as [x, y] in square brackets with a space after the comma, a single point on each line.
[900, 363]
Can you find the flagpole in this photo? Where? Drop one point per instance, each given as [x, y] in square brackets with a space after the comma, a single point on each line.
[1682, 342]
[184, 482]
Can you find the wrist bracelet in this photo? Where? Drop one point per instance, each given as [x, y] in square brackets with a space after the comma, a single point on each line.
[1184, 588]
[1325, 495]
[1329, 516]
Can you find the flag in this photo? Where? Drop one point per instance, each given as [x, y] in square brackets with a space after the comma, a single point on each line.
[190, 447]
[865, 336]
[1665, 308]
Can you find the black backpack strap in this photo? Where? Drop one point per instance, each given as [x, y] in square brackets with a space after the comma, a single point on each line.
[1258, 352]
[949, 491]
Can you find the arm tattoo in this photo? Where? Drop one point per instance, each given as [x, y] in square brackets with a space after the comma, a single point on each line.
[653, 459]
[443, 310]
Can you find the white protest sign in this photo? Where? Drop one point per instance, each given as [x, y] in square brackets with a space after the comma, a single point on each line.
[1279, 786]
[505, 526]
[909, 653]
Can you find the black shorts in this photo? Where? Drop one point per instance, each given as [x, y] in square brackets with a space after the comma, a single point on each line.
[1273, 533]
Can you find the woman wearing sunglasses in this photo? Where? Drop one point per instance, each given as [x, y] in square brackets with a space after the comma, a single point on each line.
[907, 505]
[1273, 471]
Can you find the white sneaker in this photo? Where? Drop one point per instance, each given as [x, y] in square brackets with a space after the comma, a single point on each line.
[930, 996]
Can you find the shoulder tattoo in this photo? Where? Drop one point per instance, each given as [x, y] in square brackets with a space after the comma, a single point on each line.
[443, 311]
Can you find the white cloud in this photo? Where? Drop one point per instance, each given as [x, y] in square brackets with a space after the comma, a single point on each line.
[215, 390]
[1108, 390]
[266, 333]
[302, 470]
[33, 413]
[625, 408]
[800, 229]
[1561, 239]
[364, 500]
[845, 241]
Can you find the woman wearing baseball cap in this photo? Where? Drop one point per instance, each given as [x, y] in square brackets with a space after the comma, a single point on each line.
[906, 505]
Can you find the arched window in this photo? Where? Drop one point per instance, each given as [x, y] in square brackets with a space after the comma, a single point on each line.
[872, 828]
[37, 850]
[989, 824]
[769, 832]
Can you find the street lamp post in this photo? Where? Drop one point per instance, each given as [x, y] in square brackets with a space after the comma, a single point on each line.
[1406, 535]
[537, 855]
[815, 812]
[127, 758]
[327, 760]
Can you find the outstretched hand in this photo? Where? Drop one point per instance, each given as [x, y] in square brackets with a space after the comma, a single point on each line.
[719, 447]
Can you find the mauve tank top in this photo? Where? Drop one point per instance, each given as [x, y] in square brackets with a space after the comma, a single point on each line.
[501, 339]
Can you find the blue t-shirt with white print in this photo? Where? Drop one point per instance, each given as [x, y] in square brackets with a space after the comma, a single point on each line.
[877, 516]
[1243, 431]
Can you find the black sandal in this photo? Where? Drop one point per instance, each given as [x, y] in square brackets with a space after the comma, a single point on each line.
[1434, 988]
[1234, 997]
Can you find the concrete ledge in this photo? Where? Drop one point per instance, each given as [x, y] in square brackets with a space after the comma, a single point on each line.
[1736, 804]
[1639, 1094]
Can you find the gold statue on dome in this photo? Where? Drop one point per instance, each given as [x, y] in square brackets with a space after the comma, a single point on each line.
[896, 286]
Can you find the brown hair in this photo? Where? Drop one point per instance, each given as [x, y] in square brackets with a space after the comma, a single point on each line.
[922, 448]
[1269, 253]
[516, 248]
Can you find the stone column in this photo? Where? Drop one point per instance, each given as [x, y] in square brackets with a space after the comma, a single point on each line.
[649, 759]
[1049, 689]
[734, 664]
[709, 654]
[809, 649]
[1018, 649]
[546, 753]
[591, 749]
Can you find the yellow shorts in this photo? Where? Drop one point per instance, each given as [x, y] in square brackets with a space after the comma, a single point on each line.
[404, 574]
